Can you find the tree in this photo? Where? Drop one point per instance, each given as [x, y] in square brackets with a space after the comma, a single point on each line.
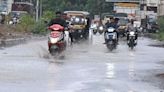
[93, 6]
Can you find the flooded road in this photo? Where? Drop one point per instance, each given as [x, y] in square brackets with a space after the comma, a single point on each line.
[87, 67]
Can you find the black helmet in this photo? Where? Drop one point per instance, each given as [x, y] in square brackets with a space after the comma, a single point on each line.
[132, 21]
[116, 19]
[58, 12]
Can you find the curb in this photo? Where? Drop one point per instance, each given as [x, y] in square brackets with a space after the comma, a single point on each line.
[11, 42]
[149, 35]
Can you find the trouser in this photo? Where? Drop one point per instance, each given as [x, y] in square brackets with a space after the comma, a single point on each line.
[71, 36]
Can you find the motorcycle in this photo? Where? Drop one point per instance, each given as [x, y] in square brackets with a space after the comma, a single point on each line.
[111, 38]
[14, 21]
[101, 29]
[131, 41]
[56, 41]
[94, 28]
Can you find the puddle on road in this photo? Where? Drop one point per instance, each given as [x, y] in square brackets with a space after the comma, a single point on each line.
[110, 90]
[157, 45]
[132, 70]
[110, 73]
[160, 75]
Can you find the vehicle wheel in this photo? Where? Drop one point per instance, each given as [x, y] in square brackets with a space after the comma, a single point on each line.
[100, 32]
[131, 44]
[94, 32]
[110, 47]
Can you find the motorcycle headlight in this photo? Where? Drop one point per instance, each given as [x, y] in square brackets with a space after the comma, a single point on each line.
[122, 27]
[94, 26]
[82, 20]
[53, 40]
[132, 33]
[110, 29]
[101, 28]
[77, 20]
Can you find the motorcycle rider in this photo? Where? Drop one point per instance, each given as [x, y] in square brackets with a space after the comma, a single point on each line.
[113, 23]
[59, 20]
[88, 21]
[130, 27]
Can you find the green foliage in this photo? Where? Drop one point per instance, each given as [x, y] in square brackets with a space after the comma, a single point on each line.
[160, 36]
[161, 26]
[27, 23]
[47, 15]
[93, 6]
[39, 28]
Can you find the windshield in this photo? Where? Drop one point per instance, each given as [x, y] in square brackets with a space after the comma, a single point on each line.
[123, 21]
[151, 20]
[78, 20]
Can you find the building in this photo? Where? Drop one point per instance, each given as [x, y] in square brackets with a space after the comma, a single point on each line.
[161, 8]
[23, 6]
[125, 1]
[139, 8]
[126, 6]
[149, 8]
[5, 6]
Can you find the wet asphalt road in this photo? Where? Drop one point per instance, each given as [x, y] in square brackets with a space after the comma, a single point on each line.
[87, 67]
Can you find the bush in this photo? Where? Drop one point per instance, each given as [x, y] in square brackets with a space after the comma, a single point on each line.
[161, 28]
[41, 25]
[39, 28]
[161, 23]
[47, 15]
[161, 36]
[27, 23]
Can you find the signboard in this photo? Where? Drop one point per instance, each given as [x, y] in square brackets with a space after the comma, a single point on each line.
[22, 7]
[152, 2]
[126, 4]
[96, 17]
[144, 13]
[123, 1]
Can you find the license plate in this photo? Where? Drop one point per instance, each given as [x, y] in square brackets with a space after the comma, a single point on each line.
[110, 34]
[79, 31]
[54, 47]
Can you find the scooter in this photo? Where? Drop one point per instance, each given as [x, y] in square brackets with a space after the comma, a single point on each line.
[132, 42]
[56, 41]
[94, 28]
[111, 38]
[101, 29]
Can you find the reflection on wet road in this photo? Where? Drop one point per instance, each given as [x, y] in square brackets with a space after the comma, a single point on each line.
[87, 67]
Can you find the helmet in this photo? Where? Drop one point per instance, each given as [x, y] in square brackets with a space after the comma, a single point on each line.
[58, 14]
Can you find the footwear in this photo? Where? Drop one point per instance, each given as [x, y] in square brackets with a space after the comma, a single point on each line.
[104, 43]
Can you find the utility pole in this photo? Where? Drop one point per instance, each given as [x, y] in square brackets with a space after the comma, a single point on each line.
[37, 10]
[41, 9]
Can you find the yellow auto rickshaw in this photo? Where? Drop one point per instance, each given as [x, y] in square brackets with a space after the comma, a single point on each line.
[78, 21]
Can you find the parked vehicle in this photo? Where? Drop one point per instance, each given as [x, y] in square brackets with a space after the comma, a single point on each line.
[152, 26]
